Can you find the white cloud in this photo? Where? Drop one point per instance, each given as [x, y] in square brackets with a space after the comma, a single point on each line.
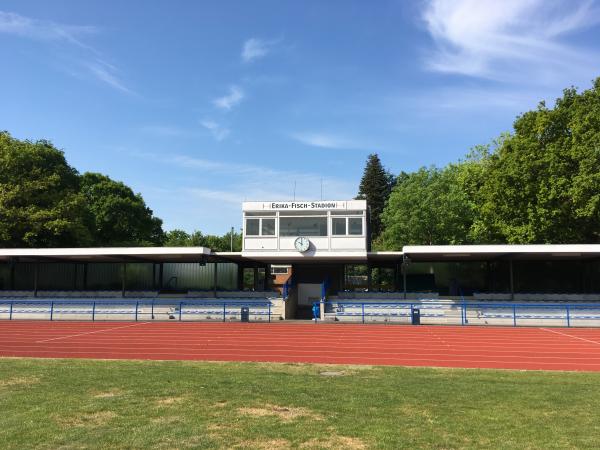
[509, 40]
[12, 23]
[217, 185]
[107, 73]
[327, 140]
[70, 36]
[235, 96]
[218, 131]
[254, 49]
[254, 182]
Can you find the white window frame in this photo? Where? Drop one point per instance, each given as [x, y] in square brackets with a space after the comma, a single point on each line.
[299, 216]
[260, 227]
[347, 218]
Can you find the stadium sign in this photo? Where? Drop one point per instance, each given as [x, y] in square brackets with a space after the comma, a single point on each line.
[306, 205]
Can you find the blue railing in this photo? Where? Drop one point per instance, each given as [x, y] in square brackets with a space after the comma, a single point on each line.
[465, 313]
[134, 309]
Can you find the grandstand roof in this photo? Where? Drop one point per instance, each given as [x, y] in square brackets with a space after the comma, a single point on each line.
[490, 252]
[203, 254]
[107, 254]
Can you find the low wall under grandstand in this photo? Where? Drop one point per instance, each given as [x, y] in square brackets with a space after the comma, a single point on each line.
[452, 312]
[110, 305]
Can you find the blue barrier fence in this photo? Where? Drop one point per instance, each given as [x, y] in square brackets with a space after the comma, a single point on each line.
[464, 313]
[135, 309]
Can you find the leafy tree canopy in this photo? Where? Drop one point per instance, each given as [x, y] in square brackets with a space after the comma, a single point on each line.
[44, 202]
[427, 207]
[118, 216]
[40, 202]
[542, 185]
[180, 238]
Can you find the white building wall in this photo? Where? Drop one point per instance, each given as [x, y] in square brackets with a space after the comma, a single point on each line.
[267, 212]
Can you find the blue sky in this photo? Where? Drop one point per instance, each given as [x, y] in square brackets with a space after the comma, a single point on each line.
[201, 105]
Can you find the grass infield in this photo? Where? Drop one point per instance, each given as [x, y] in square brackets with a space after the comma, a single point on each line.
[48, 403]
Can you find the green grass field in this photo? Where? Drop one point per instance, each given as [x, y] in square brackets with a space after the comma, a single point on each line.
[132, 404]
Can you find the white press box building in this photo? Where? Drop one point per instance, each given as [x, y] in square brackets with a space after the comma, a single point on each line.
[300, 230]
[302, 250]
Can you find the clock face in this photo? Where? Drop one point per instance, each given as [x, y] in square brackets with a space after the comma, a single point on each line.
[302, 244]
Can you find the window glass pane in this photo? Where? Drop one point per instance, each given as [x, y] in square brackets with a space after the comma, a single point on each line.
[268, 227]
[355, 225]
[303, 226]
[252, 227]
[339, 226]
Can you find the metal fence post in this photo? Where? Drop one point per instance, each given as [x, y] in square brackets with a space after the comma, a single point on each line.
[136, 310]
[224, 312]
[462, 314]
[180, 308]
[269, 305]
[11, 311]
[51, 310]
[568, 316]
[152, 310]
[363, 313]
[93, 311]
[514, 315]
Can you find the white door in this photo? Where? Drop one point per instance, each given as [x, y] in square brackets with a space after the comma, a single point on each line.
[308, 293]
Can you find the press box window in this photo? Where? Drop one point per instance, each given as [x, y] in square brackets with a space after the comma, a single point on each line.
[279, 270]
[252, 227]
[303, 226]
[339, 226]
[268, 227]
[355, 226]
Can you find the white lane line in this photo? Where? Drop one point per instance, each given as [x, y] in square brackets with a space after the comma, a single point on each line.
[89, 332]
[570, 335]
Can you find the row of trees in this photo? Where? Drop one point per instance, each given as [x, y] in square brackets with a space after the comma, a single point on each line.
[44, 202]
[225, 243]
[539, 184]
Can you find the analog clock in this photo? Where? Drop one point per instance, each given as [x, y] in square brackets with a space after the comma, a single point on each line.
[302, 244]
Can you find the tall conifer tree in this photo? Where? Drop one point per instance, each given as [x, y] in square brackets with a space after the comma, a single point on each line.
[375, 187]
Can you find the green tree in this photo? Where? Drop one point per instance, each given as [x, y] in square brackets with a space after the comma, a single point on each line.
[177, 238]
[375, 187]
[427, 207]
[40, 203]
[180, 238]
[542, 185]
[118, 216]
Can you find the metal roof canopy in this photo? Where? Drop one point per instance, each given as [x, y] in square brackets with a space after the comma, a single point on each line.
[440, 253]
[108, 254]
[429, 253]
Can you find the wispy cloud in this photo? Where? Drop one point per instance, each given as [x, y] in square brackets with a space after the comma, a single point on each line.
[70, 36]
[224, 185]
[326, 140]
[107, 73]
[254, 49]
[508, 40]
[12, 23]
[235, 96]
[260, 182]
[218, 131]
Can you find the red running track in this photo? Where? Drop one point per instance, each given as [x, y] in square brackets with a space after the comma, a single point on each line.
[440, 346]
